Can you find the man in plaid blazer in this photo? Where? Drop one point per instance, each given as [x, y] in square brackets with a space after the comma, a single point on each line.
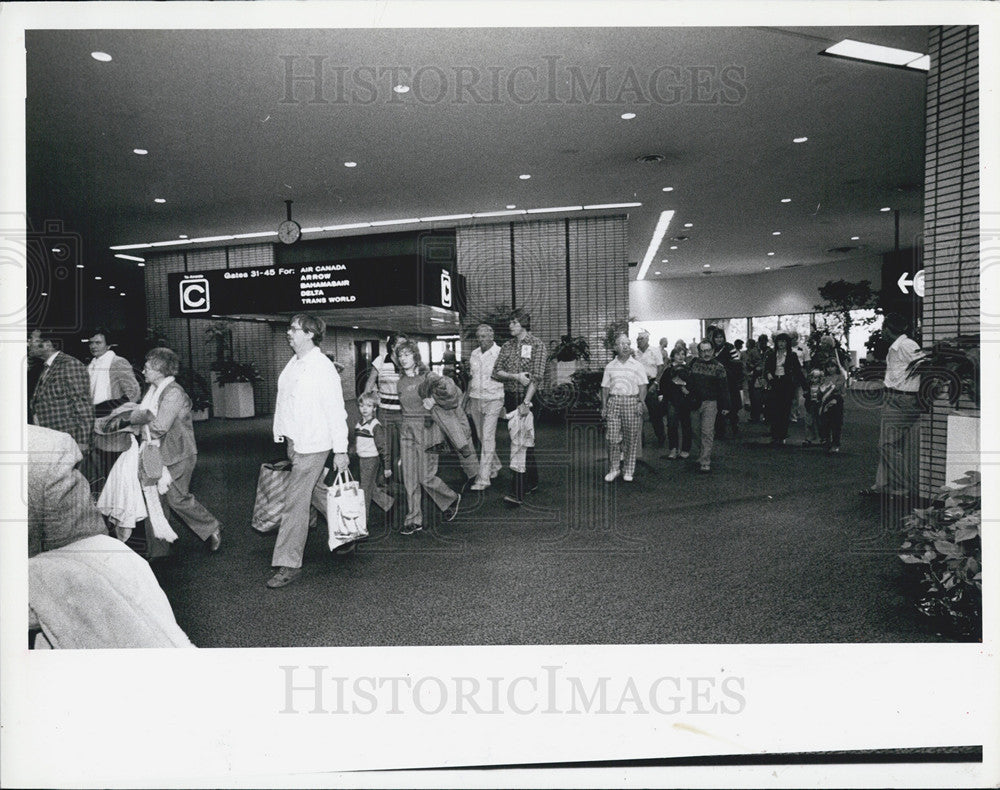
[62, 399]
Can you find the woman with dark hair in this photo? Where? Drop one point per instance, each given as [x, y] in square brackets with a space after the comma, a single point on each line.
[728, 356]
[164, 417]
[419, 466]
[783, 372]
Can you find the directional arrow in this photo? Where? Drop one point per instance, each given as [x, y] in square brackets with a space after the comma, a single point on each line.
[917, 282]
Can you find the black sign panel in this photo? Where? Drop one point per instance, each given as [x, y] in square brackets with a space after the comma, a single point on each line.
[354, 283]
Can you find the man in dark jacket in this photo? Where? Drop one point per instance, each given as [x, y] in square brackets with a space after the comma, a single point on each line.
[709, 386]
[727, 355]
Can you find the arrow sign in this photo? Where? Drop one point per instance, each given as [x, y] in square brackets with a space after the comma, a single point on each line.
[917, 282]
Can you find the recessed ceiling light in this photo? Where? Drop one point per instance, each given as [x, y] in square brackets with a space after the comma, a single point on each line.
[628, 116]
[673, 246]
[767, 268]
[98, 277]
[706, 266]
[104, 57]
[159, 200]
[799, 139]
[140, 264]
[401, 88]
[885, 208]
[855, 238]
[350, 164]
[111, 287]
[664, 261]
[79, 266]
[354, 327]
[140, 151]
[668, 189]
[182, 236]
[776, 233]
[770, 253]
[786, 200]
[688, 224]
[524, 176]
[121, 293]
[656, 273]
[45, 293]
[511, 205]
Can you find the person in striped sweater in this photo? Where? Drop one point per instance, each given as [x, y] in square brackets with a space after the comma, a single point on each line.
[707, 381]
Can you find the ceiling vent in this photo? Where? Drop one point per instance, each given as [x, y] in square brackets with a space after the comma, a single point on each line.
[841, 250]
[650, 159]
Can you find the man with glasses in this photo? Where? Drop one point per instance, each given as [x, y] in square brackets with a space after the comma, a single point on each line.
[311, 420]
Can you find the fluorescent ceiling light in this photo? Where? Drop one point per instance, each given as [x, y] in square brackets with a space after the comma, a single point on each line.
[654, 243]
[446, 217]
[129, 257]
[628, 116]
[159, 200]
[130, 246]
[408, 221]
[104, 57]
[172, 242]
[873, 53]
[500, 213]
[202, 239]
[306, 230]
[554, 208]
[668, 189]
[524, 176]
[257, 235]
[349, 226]
[140, 151]
[800, 139]
[611, 205]
[922, 64]
[350, 164]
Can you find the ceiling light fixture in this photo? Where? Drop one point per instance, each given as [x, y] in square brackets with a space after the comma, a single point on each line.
[875, 53]
[706, 266]
[524, 176]
[104, 57]
[668, 189]
[79, 266]
[140, 151]
[770, 253]
[654, 243]
[350, 164]
[171, 243]
[159, 200]
[673, 246]
[786, 200]
[554, 209]
[657, 274]
[140, 264]
[800, 139]
[446, 217]
[776, 233]
[595, 206]
[885, 208]
[688, 224]
[767, 268]
[855, 238]
[628, 116]
[349, 226]
[128, 257]
[260, 234]
[98, 277]
[401, 88]
[407, 221]
[182, 236]
[500, 213]
[511, 205]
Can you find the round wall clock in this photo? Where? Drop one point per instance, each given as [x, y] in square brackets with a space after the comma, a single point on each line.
[289, 231]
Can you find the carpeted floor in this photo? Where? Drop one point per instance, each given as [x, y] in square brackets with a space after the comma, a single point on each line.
[773, 546]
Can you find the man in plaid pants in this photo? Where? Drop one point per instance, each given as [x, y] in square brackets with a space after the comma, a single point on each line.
[623, 390]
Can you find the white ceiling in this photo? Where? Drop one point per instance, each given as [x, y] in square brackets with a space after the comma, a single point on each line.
[227, 145]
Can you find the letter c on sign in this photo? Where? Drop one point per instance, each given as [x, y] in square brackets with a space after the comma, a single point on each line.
[445, 289]
[195, 296]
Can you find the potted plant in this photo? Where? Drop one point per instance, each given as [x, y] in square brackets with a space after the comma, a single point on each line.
[567, 351]
[196, 387]
[220, 335]
[944, 544]
[236, 380]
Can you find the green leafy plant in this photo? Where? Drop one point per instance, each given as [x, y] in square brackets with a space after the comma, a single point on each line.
[587, 387]
[944, 541]
[232, 372]
[220, 334]
[841, 297]
[950, 369]
[614, 330]
[196, 387]
[570, 349]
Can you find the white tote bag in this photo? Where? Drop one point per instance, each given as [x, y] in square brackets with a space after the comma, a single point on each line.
[345, 510]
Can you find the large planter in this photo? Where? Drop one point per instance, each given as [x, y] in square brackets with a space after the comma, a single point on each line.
[564, 372]
[962, 448]
[218, 399]
[238, 399]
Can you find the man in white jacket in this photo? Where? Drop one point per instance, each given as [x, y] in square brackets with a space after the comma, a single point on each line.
[311, 420]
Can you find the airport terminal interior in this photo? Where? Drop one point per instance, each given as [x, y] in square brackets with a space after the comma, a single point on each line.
[203, 190]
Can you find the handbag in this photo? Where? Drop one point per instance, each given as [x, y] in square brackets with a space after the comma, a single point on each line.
[345, 510]
[270, 499]
[150, 458]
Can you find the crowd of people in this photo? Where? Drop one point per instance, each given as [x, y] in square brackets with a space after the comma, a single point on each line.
[141, 451]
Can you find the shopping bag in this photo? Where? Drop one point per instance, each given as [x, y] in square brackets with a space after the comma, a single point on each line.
[271, 484]
[345, 510]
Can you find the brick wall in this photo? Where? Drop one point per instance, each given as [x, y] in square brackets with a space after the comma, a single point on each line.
[951, 214]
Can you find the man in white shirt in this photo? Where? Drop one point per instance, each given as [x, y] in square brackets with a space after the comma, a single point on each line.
[112, 383]
[623, 390]
[311, 419]
[651, 359]
[484, 404]
[899, 432]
